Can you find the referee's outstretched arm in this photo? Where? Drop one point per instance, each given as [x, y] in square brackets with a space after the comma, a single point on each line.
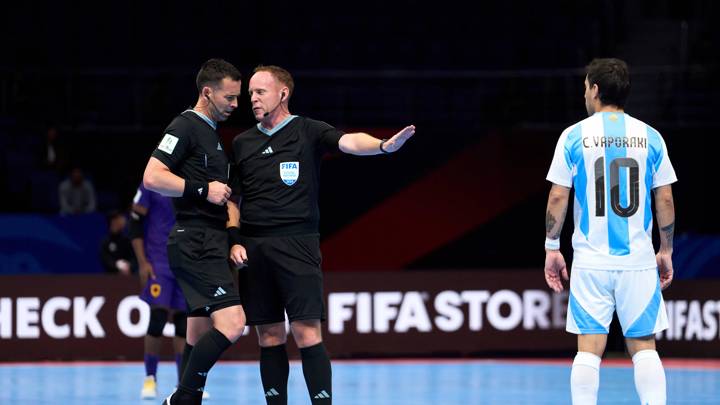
[362, 144]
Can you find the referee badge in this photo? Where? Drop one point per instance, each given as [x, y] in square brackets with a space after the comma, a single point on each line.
[289, 172]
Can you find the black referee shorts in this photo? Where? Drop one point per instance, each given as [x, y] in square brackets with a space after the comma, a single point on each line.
[283, 275]
[198, 257]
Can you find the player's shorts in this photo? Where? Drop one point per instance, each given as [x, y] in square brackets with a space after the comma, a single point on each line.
[283, 275]
[634, 294]
[198, 257]
[164, 290]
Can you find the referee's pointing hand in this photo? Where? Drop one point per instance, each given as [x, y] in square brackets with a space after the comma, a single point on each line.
[399, 139]
[218, 193]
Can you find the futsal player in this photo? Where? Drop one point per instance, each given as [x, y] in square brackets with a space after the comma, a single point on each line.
[617, 164]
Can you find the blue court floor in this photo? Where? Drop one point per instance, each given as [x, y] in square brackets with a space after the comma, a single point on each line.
[355, 383]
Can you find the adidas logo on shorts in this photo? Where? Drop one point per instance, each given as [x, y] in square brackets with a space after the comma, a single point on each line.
[219, 292]
[322, 395]
[272, 393]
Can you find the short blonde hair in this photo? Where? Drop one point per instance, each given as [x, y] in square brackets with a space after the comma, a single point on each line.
[280, 74]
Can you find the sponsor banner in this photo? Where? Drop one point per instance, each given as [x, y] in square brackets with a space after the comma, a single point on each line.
[438, 313]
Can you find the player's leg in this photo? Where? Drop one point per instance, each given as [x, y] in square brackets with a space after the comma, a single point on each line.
[315, 360]
[199, 262]
[263, 306]
[179, 340]
[649, 373]
[196, 327]
[153, 341]
[274, 364]
[590, 309]
[227, 326]
[156, 294]
[299, 277]
[641, 311]
[585, 374]
[182, 343]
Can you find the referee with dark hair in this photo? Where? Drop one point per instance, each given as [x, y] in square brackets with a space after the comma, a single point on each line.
[190, 165]
[278, 164]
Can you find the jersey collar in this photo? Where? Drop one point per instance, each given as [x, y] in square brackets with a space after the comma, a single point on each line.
[204, 118]
[271, 132]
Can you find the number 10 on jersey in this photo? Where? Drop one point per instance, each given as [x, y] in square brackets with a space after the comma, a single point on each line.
[614, 169]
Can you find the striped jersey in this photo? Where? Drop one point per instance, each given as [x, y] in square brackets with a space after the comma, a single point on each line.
[613, 161]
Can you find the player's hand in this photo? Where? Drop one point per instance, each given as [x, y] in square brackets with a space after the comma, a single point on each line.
[665, 267]
[555, 269]
[146, 272]
[238, 256]
[399, 139]
[218, 193]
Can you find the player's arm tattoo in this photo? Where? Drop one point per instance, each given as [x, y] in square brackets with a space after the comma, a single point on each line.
[669, 231]
[549, 222]
[550, 225]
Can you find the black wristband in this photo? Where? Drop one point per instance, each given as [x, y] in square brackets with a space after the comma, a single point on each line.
[196, 189]
[136, 228]
[382, 142]
[233, 236]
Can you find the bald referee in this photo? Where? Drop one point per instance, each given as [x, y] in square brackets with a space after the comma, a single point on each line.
[278, 164]
[190, 165]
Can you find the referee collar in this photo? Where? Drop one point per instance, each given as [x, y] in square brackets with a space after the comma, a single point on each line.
[204, 118]
[281, 125]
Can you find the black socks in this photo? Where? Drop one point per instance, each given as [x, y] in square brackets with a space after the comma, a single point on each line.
[202, 357]
[274, 370]
[318, 374]
[185, 357]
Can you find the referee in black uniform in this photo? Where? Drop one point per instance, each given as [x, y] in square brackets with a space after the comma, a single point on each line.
[278, 164]
[191, 165]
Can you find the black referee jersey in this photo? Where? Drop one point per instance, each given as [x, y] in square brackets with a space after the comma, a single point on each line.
[191, 148]
[278, 176]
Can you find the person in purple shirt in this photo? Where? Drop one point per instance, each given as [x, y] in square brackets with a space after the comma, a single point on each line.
[151, 219]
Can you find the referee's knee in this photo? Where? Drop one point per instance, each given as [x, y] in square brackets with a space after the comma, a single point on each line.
[306, 333]
[230, 322]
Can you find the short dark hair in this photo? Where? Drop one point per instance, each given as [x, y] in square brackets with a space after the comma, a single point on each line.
[612, 78]
[110, 216]
[214, 71]
[280, 74]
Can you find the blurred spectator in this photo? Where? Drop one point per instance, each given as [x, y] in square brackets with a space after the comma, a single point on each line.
[52, 151]
[116, 251]
[77, 195]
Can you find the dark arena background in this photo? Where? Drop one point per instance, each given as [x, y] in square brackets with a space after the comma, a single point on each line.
[432, 257]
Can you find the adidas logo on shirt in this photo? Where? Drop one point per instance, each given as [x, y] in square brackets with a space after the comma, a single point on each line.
[272, 393]
[219, 292]
[200, 190]
[322, 395]
[267, 151]
[219, 147]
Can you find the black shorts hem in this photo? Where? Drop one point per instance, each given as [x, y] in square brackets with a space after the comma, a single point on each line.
[310, 317]
[256, 322]
[203, 312]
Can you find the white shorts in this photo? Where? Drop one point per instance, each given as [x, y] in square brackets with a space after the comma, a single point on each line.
[634, 294]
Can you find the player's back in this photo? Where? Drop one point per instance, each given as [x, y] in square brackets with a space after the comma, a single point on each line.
[160, 220]
[614, 161]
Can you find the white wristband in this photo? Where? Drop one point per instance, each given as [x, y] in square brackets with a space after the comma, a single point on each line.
[552, 244]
